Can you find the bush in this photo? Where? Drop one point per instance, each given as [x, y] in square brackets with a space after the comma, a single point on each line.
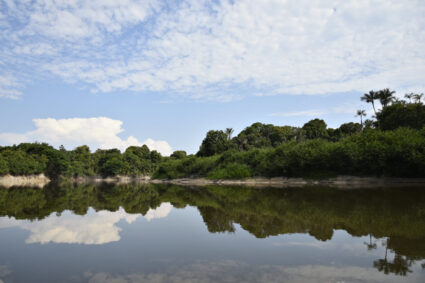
[231, 171]
[4, 166]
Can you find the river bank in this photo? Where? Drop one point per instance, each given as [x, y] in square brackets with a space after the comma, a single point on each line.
[41, 180]
[8, 181]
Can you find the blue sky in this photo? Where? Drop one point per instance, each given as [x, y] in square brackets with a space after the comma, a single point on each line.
[163, 73]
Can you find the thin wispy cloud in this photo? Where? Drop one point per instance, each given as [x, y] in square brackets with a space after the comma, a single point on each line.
[343, 109]
[201, 49]
[300, 113]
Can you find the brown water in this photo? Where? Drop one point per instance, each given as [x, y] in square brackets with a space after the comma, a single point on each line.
[157, 233]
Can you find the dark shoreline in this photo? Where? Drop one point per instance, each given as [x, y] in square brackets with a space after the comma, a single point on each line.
[281, 182]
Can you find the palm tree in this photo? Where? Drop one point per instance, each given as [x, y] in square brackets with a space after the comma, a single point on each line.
[385, 96]
[361, 114]
[229, 132]
[418, 97]
[370, 245]
[370, 98]
[409, 96]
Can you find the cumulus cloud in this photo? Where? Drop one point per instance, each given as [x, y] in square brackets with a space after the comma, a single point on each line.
[203, 49]
[160, 212]
[99, 132]
[94, 228]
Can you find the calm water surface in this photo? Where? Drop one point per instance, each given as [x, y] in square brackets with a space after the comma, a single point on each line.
[147, 233]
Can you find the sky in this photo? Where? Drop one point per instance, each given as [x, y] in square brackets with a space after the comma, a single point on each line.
[162, 73]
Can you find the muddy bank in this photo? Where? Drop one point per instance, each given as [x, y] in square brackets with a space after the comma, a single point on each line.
[343, 182]
[113, 180]
[338, 182]
[8, 181]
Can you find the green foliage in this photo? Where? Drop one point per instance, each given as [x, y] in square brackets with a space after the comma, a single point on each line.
[260, 135]
[21, 163]
[398, 153]
[215, 142]
[350, 128]
[4, 166]
[36, 158]
[82, 163]
[109, 162]
[178, 154]
[397, 115]
[315, 129]
[231, 171]
[191, 166]
[139, 161]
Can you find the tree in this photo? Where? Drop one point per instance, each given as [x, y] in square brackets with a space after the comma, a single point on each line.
[155, 156]
[315, 129]
[385, 97]
[370, 245]
[112, 166]
[108, 161]
[178, 154]
[370, 98]
[409, 96]
[411, 115]
[361, 114]
[349, 128]
[260, 135]
[369, 124]
[418, 97]
[4, 166]
[229, 132]
[215, 142]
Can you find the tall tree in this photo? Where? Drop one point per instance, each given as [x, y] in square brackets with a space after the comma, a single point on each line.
[418, 97]
[409, 96]
[229, 132]
[370, 98]
[385, 97]
[215, 142]
[361, 114]
[315, 129]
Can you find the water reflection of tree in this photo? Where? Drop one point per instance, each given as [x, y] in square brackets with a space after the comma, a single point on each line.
[399, 266]
[370, 245]
[261, 212]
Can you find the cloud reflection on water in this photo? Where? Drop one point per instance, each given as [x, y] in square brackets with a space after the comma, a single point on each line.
[94, 228]
[234, 271]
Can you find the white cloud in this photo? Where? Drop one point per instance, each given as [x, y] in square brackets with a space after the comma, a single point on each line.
[94, 228]
[100, 132]
[76, 19]
[160, 212]
[9, 87]
[202, 49]
[343, 109]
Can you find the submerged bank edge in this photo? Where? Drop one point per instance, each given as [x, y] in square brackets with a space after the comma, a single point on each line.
[345, 181]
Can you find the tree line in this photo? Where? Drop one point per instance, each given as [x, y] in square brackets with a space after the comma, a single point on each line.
[390, 143]
[36, 158]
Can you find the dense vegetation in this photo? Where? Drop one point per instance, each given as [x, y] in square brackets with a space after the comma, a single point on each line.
[392, 143]
[35, 158]
[380, 213]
